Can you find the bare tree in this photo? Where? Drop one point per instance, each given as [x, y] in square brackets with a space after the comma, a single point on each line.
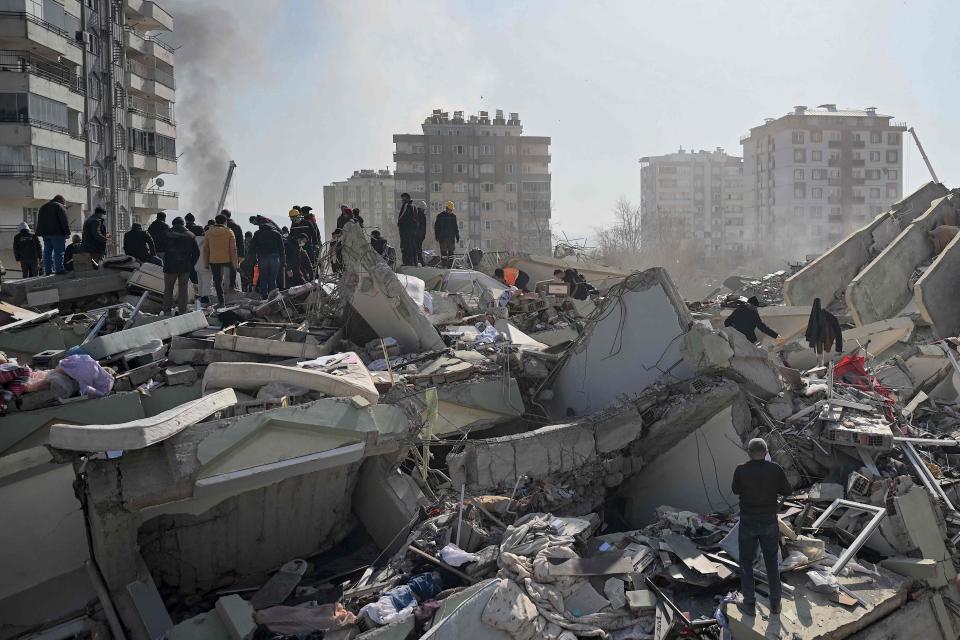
[620, 243]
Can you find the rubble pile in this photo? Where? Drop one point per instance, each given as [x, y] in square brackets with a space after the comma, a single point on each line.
[432, 453]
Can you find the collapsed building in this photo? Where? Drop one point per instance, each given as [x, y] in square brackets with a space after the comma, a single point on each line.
[431, 453]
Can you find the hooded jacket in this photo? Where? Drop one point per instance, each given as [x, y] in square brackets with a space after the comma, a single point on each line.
[237, 237]
[823, 329]
[94, 235]
[746, 320]
[26, 247]
[445, 226]
[407, 220]
[138, 243]
[302, 225]
[182, 250]
[52, 220]
[220, 246]
[298, 261]
[158, 230]
[267, 241]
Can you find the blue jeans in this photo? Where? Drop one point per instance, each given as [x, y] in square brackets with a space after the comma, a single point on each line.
[269, 272]
[759, 531]
[53, 248]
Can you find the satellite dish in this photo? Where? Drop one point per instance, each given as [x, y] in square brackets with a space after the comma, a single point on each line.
[160, 183]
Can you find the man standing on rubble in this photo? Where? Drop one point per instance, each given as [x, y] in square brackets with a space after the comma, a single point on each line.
[139, 244]
[238, 239]
[267, 248]
[158, 231]
[95, 236]
[746, 320]
[27, 251]
[220, 253]
[408, 227]
[758, 482]
[447, 234]
[53, 227]
[182, 254]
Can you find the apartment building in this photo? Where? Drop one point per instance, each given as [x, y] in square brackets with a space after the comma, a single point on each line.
[371, 191]
[816, 174]
[693, 201]
[498, 179]
[86, 111]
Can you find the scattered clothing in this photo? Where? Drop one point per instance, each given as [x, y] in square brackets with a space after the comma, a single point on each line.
[823, 329]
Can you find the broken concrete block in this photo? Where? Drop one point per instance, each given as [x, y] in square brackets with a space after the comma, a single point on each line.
[641, 602]
[182, 374]
[269, 347]
[386, 500]
[631, 343]
[139, 433]
[754, 367]
[236, 614]
[380, 298]
[615, 592]
[280, 585]
[355, 381]
[163, 329]
[706, 350]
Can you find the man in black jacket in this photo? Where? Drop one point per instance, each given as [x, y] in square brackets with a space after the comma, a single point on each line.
[299, 264]
[346, 215]
[53, 227]
[758, 483]
[158, 231]
[241, 252]
[746, 320]
[95, 235]
[182, 254]
[190, 222]
[139, 244]
[267, 248]
[408, 227]
[447, 233]
[71, 251]
[301, 225]
[27, 251]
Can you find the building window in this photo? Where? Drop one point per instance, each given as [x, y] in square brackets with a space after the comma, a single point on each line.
[486, 168]
[816, 212]
[817, 193]
[122, 178]
[487, 225]
[96, 175]
[511, 206]
[489, 207]
[892, 191]
[816, 136]
[95, 132]
[435, 187]
[798, 174]
[460, 187]
[816, 155]
[459, 168]
[486, 149]
[876, 137]
[418, 148]
[874, 156]
[893, 138]
[875, 193]
[799, 155]
[511, 187]
[509, 168]
[891, 174]
[436, 148]
[892, 155]
[459, 149]
[798, 137]
[487, 187]
[818, 174]
[800, 190]
[872, 174]
[436, 167]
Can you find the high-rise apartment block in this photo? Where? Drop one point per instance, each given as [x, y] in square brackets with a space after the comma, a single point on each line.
[497, 178]
[86, 110]
[693, 201]
[371, 191]
[815, 175]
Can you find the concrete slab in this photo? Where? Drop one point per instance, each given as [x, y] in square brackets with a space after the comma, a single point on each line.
[120, 341]
[877, 337]
[935, 291]
[477, 404]
[141, 433]
[375, 292]
[882, 289]
[828, 276]
[633, 341]
[269, 347]
[463, 620]
[356, 380]
[56, 290]
[386, 502]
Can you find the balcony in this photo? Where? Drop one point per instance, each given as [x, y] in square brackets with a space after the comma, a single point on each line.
[147, 16]
[45, 36]
[858, 144]
[857, 163]
[834, 162]
[155, 200]
[150, 81]
[834, 218]
[152, 164]
[147, 46]
[22, 131]
[151, 117]
[857, 181]
[834, 144]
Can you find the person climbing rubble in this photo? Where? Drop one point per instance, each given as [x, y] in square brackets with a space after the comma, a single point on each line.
[95, 236]
[746, 319]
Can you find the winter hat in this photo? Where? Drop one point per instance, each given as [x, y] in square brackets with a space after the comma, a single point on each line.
[189, 217]
[177, 222]
[23, 226]
[345, 209]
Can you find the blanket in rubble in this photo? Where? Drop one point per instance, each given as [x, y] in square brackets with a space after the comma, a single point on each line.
[13, 380]
[528, 602]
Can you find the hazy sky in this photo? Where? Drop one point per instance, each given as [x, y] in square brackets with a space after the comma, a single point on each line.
[304, 92]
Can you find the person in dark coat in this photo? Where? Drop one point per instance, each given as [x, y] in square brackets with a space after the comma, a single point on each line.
[299, 263]
[336, 251]
[190, 222]
[300, 224]
[139, 244]
[307, 212]
[421, 216]
[408, 227]
[54, 227]
[356, 217]
[267, 247]
[27, 251]
[71, 251]
[241, 250]
[746, 320]
[346, 215]
[158, 231]
[447, 234]
[95, 235]
[378, 242]
[182, 254]
[823, 330]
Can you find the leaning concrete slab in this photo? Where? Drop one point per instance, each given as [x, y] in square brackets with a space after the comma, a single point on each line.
[139, 433]
[375, 292]
[631, 341]
[355, 380]
[935, 291]
[827, 277]
[386, 502]
[46, 291]
[120, 341]
[882, 289]
[268, 347]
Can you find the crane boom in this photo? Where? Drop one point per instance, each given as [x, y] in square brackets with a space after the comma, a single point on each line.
[226, 186]
[923, 154]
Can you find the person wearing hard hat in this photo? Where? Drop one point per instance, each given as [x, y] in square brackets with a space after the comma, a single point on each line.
[300, 225]
[447, 233]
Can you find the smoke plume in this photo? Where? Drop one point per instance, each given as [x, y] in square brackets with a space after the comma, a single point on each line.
[214, 54]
